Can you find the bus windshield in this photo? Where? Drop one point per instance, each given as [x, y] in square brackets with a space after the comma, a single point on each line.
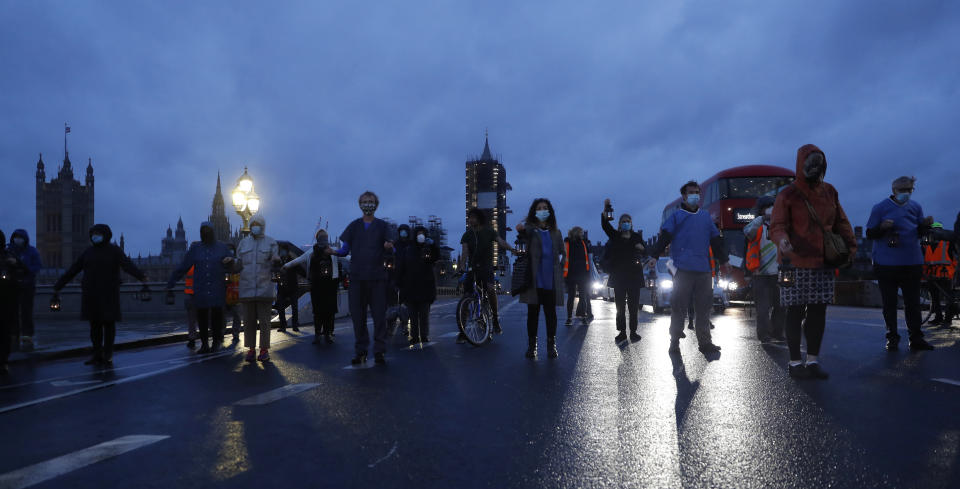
[751, 187]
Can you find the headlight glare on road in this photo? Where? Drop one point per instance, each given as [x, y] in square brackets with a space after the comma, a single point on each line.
[597, 286]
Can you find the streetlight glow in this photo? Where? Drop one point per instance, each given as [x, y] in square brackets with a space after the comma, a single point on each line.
[253, 201]
[245, 200]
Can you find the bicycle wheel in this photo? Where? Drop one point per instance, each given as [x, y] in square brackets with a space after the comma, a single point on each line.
[926, 305]
[474, 322]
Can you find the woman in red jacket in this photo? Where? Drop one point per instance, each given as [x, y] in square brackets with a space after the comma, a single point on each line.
[800, 242]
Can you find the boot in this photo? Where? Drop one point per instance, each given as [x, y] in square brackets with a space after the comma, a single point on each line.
[552, 347]
[532, 347]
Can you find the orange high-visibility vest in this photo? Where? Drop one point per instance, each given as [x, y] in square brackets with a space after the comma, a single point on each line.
[937, 261]
[713, 263]
[752, 260]
[188, 282]
[566, 263]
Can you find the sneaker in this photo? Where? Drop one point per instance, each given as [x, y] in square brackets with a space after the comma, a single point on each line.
[674, 347]
[251, 356]
[920, 344]
[552, 349]
[328, 338]
[621, 337]
[712, 326]
[568, 322]
[682, 334]
[461, 339]
[264, 355]
[690, 326]
[359, 359]
[893, 344]
[414, 343]
[815, 372]
[379, 359]
[709, 348]
[799, 371]
[297, 329]
[204, 349]
[281, 330]
[634, 337]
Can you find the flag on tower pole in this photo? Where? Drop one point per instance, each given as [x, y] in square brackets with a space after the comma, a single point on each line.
[66, 128]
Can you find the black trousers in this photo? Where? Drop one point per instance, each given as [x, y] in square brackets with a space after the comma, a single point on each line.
[627, 298]
[323, 314]
[8, 323]
[25, 297]
[907, 279]
[770, 315]
[369, 295]
[289, 300]
[579, 287]
[935, 286]
[809, 320]
[419, 320]
[102, 334]
[547, 299]
[210, 318]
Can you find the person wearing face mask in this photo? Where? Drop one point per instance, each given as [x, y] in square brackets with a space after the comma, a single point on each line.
[257, 254]
[691, 234]
[324, 273]
[761, 263]
[288, 293]
[896, 224]
[101, 264]
[211, 261]
[417, 282]
[799, 239]
[27, 286]
[625, 255]
[367, 240]
[11, 270]
[547, 255]
[576, 273]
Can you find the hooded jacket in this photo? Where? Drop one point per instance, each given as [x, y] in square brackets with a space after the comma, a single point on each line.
[209, 285]
[256, 255]
[10, 274]
[28, 255]
[415, 273]
[792, 220]
[100, 285]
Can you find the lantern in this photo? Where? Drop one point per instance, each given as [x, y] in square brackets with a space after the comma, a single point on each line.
[520, 245]
[389, 263]
[788, 275]
[55, 303]
[427, 253]
[608, 212]
[326, 270]
[893, 240]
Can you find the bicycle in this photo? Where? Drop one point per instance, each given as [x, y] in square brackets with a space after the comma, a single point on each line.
[474, 313]
[926, 301]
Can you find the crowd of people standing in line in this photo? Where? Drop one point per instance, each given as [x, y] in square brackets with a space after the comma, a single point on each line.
[802, 233]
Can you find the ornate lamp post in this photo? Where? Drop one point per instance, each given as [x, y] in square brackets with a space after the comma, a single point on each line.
[245, 200]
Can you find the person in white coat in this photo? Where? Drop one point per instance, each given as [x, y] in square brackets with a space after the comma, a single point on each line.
[259, 256]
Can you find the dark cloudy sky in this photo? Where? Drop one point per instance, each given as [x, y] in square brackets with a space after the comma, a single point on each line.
[583, 100]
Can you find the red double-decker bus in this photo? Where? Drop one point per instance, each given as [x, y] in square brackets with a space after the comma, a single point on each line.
[730, 196]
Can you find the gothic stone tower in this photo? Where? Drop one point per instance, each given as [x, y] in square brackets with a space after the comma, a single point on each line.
[218, 216]
[64, 214]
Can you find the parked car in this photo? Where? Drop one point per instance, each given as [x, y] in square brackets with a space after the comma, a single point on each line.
[660, 287]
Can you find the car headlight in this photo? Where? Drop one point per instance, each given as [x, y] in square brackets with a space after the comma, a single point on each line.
[666, 284]
[732, 286]
[723, 284]
[597, 286]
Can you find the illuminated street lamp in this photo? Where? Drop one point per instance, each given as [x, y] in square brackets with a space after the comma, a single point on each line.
[245, 200]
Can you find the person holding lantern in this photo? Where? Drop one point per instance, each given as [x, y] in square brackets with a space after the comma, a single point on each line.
[369, 242]
[625, 251]
[323, 272]
[100, 290]
[417, 283]
[211, 261]
[801, 214]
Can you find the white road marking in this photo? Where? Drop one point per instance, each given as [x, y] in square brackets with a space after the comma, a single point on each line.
[72, 383]
[388, 455]
[44, 471]
[947, 381]
[449, 335]
[276, 394]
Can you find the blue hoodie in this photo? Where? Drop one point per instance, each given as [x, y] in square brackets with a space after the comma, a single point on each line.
[28, 255]
[209, 287]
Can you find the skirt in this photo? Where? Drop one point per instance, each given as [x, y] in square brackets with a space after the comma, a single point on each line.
[812, 286]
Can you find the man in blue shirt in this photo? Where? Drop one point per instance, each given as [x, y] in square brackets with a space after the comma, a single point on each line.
[896, 225]
[691, 233]
[367, 240]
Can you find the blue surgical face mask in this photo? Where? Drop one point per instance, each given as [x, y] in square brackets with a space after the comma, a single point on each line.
[902, 197]
[421, 238]
[18, 241]
[625, 226]
[693, 199]
[256, 230]
[543, 215]
[403, 234]
[96, 239]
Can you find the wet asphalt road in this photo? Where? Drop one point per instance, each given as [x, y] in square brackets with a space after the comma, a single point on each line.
[453, 415]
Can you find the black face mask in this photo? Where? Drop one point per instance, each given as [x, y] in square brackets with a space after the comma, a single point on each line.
[206, 235]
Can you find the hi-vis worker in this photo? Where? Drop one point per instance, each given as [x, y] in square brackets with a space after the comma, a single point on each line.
[939, 267]
[576, 274]
[761, 263]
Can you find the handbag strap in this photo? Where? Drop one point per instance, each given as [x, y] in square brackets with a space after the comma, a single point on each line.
[813, 213]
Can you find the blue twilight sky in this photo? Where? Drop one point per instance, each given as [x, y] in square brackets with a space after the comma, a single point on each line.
[583, 100]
